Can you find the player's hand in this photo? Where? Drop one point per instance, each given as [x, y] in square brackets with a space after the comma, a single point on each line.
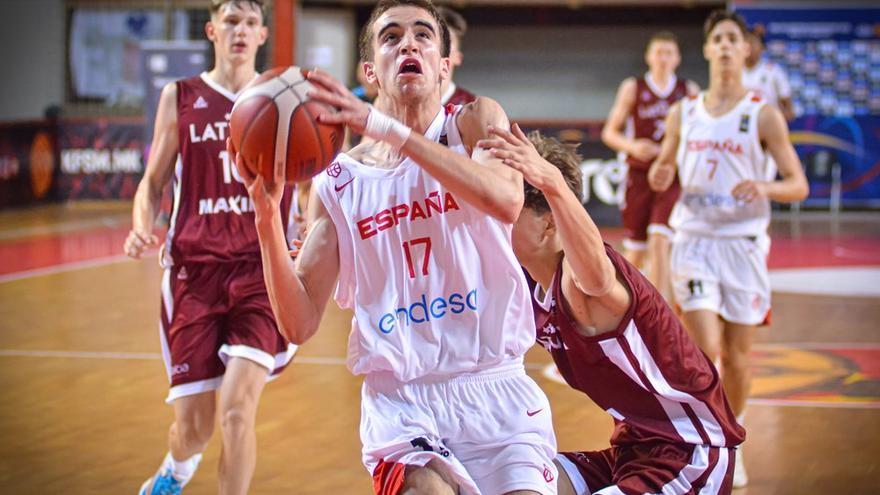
[295, 246]
[644, 149]
[265, 197]
[661, 176]
[749, 190]
[516, 151]
[137, 242]
[352, 111]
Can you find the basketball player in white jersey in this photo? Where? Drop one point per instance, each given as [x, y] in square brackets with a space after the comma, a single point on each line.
[415, 223]
[718, 141]
[641, 107]
[219, 338]
[765, 77]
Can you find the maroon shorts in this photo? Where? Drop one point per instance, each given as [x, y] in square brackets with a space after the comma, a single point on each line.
[644, 210]
[655, 467]
[210, 313]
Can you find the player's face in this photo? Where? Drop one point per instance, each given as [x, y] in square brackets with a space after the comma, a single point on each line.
[407, 59]
[530, 233]
[663, 56]
[726, 47]
[237, 31]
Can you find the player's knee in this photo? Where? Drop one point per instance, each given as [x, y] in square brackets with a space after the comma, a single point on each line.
[236, 418]
[196, 429]
[424, 480]
[735, 362]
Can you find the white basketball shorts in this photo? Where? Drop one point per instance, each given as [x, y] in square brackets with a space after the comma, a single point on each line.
[491, 430]
[726, 275]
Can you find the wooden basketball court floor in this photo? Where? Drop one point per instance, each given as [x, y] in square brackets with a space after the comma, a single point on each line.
[82, 383]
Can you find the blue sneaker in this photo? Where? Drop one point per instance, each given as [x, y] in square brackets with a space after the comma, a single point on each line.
[163, 483]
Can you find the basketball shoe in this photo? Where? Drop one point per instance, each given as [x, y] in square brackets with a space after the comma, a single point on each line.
[166, 481]
[739, 470]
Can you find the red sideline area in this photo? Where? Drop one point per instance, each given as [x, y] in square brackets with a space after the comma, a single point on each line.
[94, 244]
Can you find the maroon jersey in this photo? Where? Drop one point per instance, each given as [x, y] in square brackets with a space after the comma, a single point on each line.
[648, 373]
[212, 219]
[460, 96]
[649, 112]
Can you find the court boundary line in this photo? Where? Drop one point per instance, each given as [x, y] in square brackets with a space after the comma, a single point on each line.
[542, 368]
[71, 266]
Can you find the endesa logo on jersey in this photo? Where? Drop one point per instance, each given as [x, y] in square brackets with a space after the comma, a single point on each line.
[423, 311]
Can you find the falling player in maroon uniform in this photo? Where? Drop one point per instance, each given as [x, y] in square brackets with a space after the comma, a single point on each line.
[217, 328]
[614, 338]
[641, 105]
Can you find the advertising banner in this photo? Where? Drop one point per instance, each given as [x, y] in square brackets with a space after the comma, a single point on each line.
[832, 59]
[101, 158]
[28, 163]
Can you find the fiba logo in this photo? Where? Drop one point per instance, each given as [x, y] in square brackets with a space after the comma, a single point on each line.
[603, 178]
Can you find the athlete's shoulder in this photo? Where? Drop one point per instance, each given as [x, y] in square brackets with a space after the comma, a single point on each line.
[473, 118]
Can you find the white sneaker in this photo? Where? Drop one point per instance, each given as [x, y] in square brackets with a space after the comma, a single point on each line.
[740, 479]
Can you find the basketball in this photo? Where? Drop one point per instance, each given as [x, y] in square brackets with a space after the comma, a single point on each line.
[274, 126]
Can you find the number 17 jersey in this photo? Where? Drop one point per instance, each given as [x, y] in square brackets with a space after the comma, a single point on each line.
[433, 281]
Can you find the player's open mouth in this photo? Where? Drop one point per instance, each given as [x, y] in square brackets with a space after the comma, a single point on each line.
[240, 45]
[410, 66]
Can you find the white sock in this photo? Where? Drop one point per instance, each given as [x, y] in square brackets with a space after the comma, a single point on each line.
[183, 470]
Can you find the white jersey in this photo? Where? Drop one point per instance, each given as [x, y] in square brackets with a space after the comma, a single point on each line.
[768, 80]
[433, 281]
[714, 155]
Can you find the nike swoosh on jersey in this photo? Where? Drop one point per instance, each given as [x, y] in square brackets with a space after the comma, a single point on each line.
[339, 188]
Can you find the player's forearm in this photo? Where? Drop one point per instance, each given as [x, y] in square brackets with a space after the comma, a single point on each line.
[788, 190]
[615, 139]
[145, 205]
[581, 241]
[492, 192]
[295, 313]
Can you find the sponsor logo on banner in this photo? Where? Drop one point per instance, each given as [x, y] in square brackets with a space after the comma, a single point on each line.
[92, 161]
[9, 167]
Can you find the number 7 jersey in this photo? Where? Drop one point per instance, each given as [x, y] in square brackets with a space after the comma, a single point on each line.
[433, 281]
[714, 155]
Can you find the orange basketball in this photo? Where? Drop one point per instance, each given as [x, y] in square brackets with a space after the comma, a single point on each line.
[274, 126]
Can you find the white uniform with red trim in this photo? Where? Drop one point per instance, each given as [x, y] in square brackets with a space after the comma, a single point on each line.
[719, 252]
[442, 319]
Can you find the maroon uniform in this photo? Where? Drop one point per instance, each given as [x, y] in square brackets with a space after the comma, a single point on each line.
[643, 209]
[673, 428]
[214, 300]
[458, 96]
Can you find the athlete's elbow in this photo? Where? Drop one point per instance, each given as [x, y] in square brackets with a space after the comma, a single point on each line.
[803, 190]
[296, 334]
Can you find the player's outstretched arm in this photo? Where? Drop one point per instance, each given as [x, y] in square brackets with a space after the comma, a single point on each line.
[160, 164]
[591, 270]
[662, 171]
[773, 130]
[492, 187]
[298, 291]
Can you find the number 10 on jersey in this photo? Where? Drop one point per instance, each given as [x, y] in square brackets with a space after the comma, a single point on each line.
[409, 247]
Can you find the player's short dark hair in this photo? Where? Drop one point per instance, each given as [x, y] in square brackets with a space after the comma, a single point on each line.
[721, 15]
[258, 4]
[366, 41]
[565, 158]
[663, 36]
[758, 32]
[454, 21]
